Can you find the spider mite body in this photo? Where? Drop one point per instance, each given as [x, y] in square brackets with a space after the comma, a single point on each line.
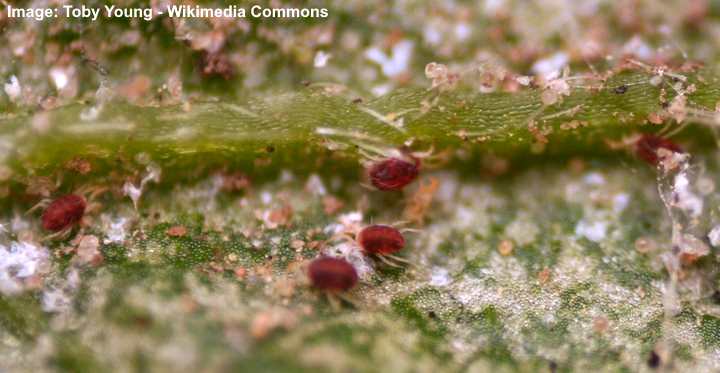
[647, 146]
[333, 275]
[63, 213]
[389, 168]
[393, 173]
[380, 240]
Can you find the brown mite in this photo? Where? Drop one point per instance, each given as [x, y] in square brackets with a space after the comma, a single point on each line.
[333, 275]
[380, 240]
[63, 213]
[393, 173]
[646, 148]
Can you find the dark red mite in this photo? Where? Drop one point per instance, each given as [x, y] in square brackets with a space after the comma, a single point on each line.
[380, 240]
[63, 212]
[332, 274]
[393, 173]
[647, 146]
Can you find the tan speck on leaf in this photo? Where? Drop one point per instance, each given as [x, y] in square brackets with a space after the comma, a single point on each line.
[331, 205]
[544, 276]
[176, 231]
[505, 247]
[420, 201]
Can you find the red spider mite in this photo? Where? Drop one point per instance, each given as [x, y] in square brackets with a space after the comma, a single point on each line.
[333, 275]
[394, 173]
[647, 146]
[63, 213]
[380, 240]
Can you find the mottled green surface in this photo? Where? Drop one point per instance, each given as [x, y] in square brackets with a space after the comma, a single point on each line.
[299, 123]
[156, 303]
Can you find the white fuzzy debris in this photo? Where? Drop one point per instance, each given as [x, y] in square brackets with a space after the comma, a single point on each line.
[286, 176]
[349, 222]
[135, 192]
[432, 35]
[550, 67]
[522, 230]
[448, 188]
[705, 185]
[88, 250]
[637, 47]
[20, 262]
[594, 178]
[714, 236]
[523, 80]
[59, 78]
[117, 230]
[58, 299]
[494, 7]
[130, 190]
[691, 245]
[315, 185]
[594, 231]
[440, 76]
[620, 202]
[55, 300]
[670, 299]
[462, 31]
[19, 224]
[685, 199]
[396, 64]
[440, 277]
[321, 59]
[382, 89]
[266, 197]
[91, 114]
[678, 108]
[13, 88]
[352, 253]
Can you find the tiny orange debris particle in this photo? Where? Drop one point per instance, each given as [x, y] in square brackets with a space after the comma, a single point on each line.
[40, 186]
[285, 287]
[136, 88]
[297, 244]
[235, 181]
[268, 321]
[538, 133]
[79, 165]
[176, 231]
[645, 245]
[262, 324]
[188, 303]
[88, 251]
[689, 258]
[600, 324]
[505, 247]
[314, 244]
[544, 275]
[331, 205]
[216, 267]
[280, 216]
[240, 273]
[655, 118]
[419, 203]
[495, 165]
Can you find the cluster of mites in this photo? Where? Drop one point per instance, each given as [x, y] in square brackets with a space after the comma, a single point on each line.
[325, 273]
[332, 274]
